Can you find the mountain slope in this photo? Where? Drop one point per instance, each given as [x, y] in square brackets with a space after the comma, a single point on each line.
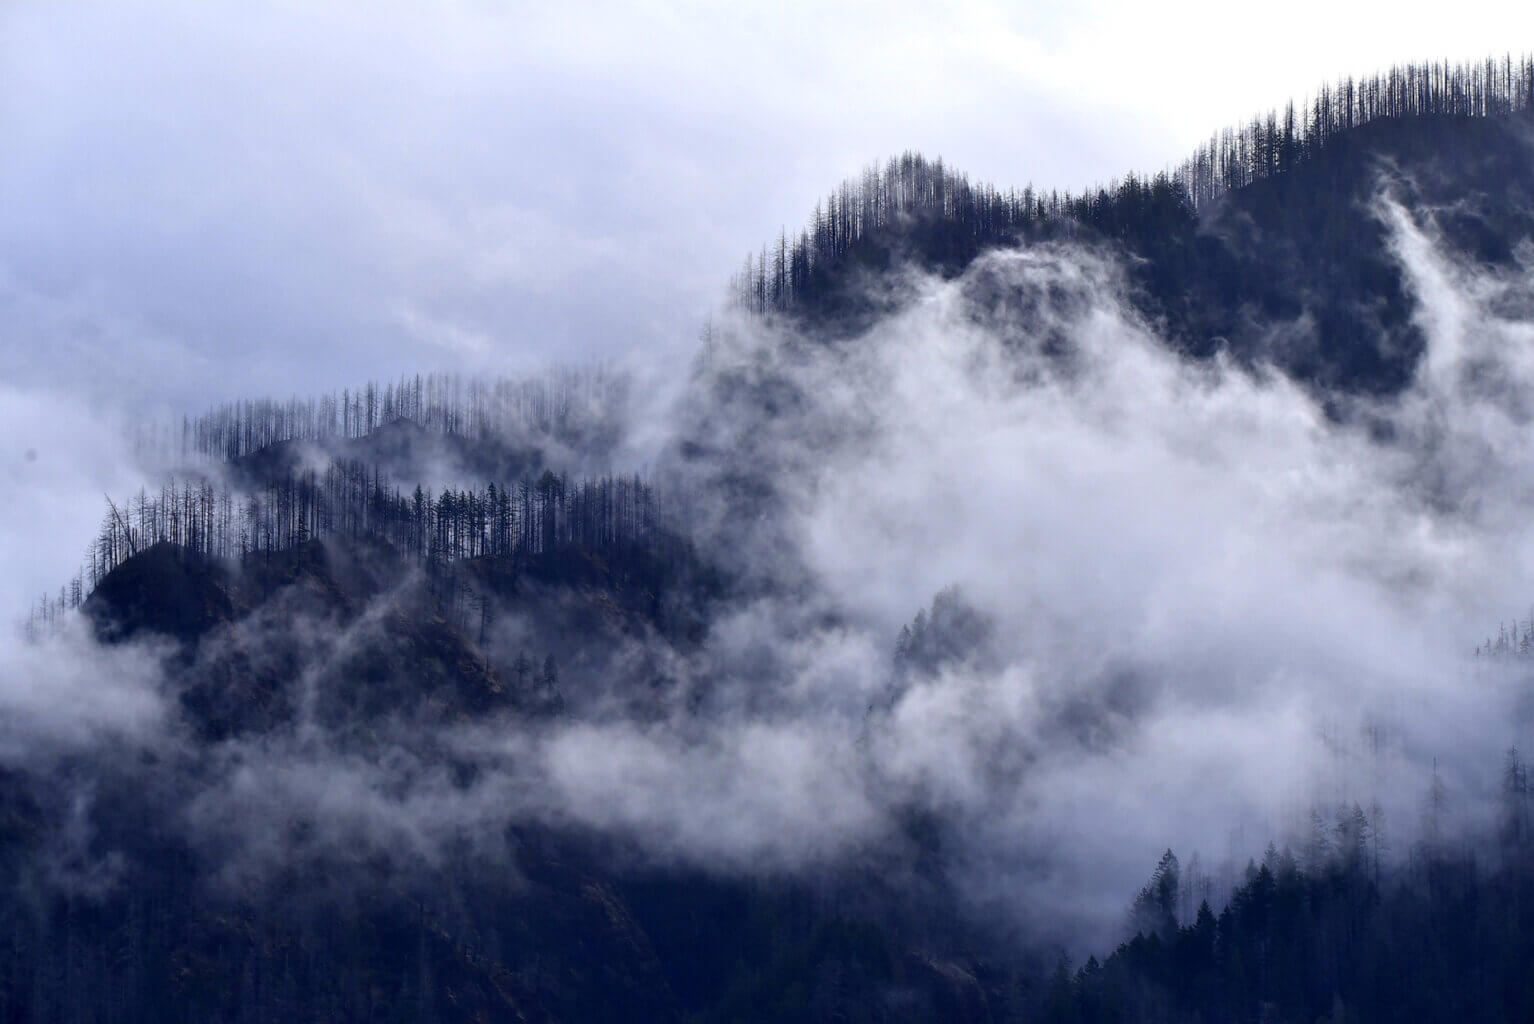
[1282, 259]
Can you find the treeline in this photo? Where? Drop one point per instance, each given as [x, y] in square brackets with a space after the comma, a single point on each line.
[616, 519]
[1324, 935]
[911, 191]
[565, 403]
[1514, 642]
[907, 189]
[611, 516]
[1271, 145]
[606, 516]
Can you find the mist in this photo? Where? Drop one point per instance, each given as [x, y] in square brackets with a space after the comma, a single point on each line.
[1216, 605]
[1212, 606]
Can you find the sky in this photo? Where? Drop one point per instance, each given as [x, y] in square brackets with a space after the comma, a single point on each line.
[202, 201]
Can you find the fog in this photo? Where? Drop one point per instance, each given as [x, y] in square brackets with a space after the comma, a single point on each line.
[1215, 607]
[1211, 609]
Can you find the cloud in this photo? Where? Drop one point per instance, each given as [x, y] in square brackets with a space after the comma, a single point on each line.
[219, 197]
[65, 695]
[1217, 606]
[60, 456]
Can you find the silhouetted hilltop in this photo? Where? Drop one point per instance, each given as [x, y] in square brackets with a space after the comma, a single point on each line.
[374, 632]
[164, 589]
[351, 648]
[1268, 243]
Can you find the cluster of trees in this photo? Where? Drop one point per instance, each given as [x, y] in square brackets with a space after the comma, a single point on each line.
[909, 189]
[1327, 936]
[563, 403]
[950, 632]
[49, 611]
[1511, 642]
[951, 218]
[615, 519]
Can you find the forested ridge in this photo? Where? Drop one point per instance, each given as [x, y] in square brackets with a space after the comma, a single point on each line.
[571, 403]
[615, 518]
[258, 491]
[1268, 245]
[952, 218]
[420, 592]
[353, 500]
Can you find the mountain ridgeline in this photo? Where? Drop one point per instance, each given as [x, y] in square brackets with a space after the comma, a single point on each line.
[429, 713]
[1271, 223]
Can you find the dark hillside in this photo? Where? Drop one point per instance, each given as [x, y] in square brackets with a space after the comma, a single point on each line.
[376, 634]
[164, 589]
[348, 647]
[1296, 269]
[1267, 245]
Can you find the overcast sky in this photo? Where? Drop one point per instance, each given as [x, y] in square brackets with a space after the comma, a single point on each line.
[200, 201]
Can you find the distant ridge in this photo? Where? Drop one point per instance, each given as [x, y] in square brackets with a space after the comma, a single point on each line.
[559, 402]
